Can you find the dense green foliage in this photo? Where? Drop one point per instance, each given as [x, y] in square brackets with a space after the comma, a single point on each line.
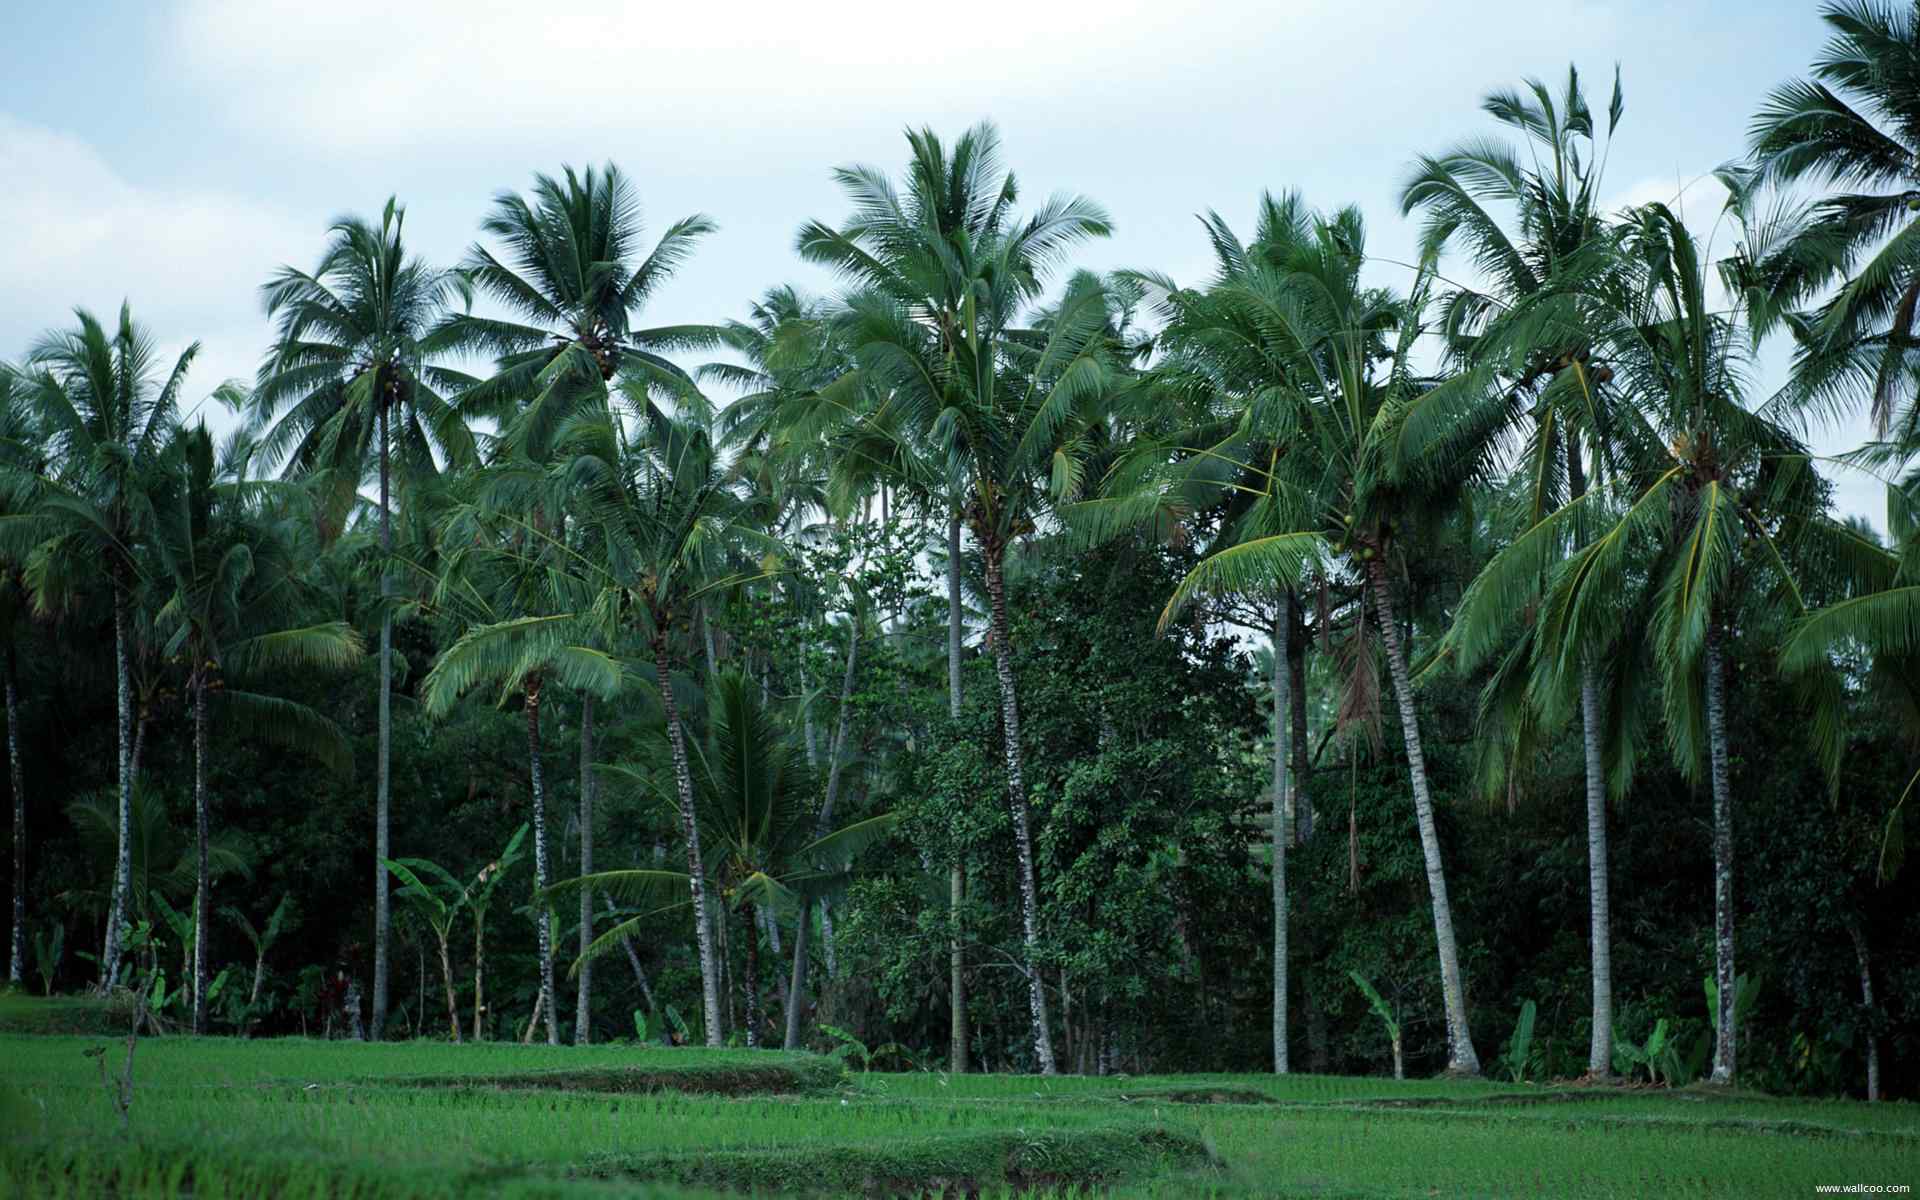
[1002, 632]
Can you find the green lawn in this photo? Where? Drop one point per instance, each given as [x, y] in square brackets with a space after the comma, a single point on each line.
[340, 1119]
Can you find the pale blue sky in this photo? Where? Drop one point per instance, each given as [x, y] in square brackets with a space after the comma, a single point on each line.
[176, 152]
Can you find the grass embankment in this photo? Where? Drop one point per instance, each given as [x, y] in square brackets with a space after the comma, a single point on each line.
[423, 1121]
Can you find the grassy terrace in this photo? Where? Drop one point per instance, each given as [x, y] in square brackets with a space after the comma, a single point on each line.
[340, 1119]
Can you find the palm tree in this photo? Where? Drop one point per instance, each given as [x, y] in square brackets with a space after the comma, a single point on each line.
[352, 362]
[16, 435]
[573, 293]
[1854, 125]
[106, 414]
[1710, 510]
[659, 509]
[764, 844]
[1355, 464]
[943, 273]
[231, 562]
[1551, 198]
[573, 289]
[509, 567]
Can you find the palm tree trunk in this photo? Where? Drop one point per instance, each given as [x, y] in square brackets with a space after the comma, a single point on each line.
[1017, 802]
[123, 853]
[1600, 1049]
[690, 830]
[589, 785]
[382, 849]
[752, 980]
[797, 982]
[479, 975]
[1460, 1053]
[543, 912]
[17, 949]
[203, 889]
[1866, 1003]
[957, 873]
[1282, 833]
[633, 960]
[1724, 1068]
[453, 1010]
[836, 752]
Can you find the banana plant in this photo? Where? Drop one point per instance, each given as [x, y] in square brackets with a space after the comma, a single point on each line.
[479, 897]
[439, 908]
[46, 956]
[1517, 1060]
[1385, 1012]
[283, 918]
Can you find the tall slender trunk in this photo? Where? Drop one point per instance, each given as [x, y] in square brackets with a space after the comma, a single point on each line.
[479, 973]
[797, 981]
[1017, 802]
[690, 830]
[142, 717]
[17, 948]
[1866, 1007]
[203, 881]
[836, 754]
[123, 853]
[752, 980]
[957, 873]
[1460, 1052]
[383, 770]
[1282, 833]
[633, 960]
[1600, 1049]
[453, 1009]
[1724, 1067]
[543, 912]
[589, 786]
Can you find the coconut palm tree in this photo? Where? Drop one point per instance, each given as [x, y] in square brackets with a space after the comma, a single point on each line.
[1712, 508]
[16, 436]
[351, 383]
[509, 569]
[1525, 221]
[106, 413]
[572, 287]
[1357, 462]
[764, 845]
[1854, 126]
[231, 558]
[943, 272]
[658, 505]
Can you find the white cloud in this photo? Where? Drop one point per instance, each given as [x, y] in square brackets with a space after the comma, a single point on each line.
[189, 261]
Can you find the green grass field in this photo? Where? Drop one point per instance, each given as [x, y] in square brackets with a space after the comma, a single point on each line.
[220, 1117]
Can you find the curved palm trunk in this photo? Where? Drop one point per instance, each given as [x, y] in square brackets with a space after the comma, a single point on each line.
[1460, 1052]
[203, 888]
[1600, 1049]
[1017, 802]
[123, 853]
[542, 912]
[382, 849]
[589, 786]
[690, 830]
[1725, 1040]
[17, 950]
[836, 752]
[1282, 834]
[957, 873]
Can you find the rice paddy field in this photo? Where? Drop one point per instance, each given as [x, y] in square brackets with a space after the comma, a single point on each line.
[299, 1118]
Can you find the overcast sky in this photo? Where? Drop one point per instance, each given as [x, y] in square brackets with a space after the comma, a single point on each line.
[175, 153]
